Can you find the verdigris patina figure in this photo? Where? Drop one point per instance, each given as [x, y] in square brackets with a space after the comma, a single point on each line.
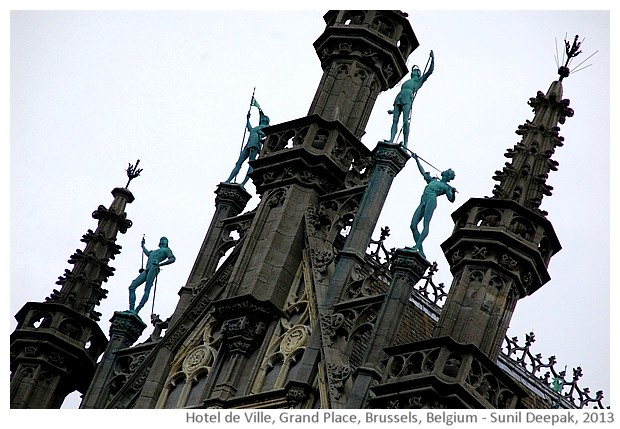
[253, 146]
[156, 258]
[404, 99]
[435, 187]
[557, 385]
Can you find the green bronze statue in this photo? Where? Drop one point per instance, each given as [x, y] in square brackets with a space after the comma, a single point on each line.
[404, 99]
[156, 259]
[557, 385]
[434, 188]
[253, 146]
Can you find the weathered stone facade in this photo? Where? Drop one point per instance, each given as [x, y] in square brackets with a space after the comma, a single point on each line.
[294, 311]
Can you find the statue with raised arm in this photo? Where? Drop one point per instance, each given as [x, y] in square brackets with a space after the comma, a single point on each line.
[156, 258]
[435, 187]
[404, 99]
[252, 148]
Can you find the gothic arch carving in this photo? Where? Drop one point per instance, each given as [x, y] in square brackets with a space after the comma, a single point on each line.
[289, 338]
[353, 17]
[40, 320]
[522, 227]
[192, 363]
[544, 247]
[488, 217]
[70, 328]
[383, 25]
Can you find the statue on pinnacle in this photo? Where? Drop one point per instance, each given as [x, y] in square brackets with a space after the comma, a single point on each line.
[156, 258]
[404, 99]
[253, 146]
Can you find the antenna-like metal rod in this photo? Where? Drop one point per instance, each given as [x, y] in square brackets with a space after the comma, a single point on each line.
[577, 66]
[245, 129]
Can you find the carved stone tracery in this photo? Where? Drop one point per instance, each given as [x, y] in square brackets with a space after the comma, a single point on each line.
[338, 376]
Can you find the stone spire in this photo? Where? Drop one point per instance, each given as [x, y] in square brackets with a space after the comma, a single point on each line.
[81, 287]
[498, 253]
[523, 180]
[56, 344]
[501, 246]
[310, 175]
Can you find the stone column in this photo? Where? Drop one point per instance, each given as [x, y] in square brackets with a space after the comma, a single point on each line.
[125, 329]
[230, 200]
[389, 160]
[407, 269]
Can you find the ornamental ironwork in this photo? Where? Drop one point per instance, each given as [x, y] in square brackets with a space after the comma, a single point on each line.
[381, 255]
[435, 293]
[565, 388]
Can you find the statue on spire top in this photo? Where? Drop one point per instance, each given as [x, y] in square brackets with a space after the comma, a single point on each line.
[253, 146]
[404, 99]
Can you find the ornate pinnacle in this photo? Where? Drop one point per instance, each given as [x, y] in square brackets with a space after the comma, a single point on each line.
[132, 172]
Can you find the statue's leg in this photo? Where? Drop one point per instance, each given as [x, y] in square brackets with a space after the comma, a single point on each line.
[242, 156]
[251, 157]
[396, 117]
[133, 286]
[428, 214]
[151, 273]
[415, 220]
[406, 120]
[420, 249]
[234, 172]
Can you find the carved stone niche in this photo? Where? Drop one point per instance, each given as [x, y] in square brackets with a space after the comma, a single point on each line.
[497, 215]
[244, 322]
[485, 226]
[458, 371]
[53, 322]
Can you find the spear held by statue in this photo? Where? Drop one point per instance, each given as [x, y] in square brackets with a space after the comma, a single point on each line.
[254, 144]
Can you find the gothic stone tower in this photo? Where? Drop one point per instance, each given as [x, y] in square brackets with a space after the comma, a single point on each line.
[501, 246]
[284, 306]
[498, 252]
[56, 343]
[285, 319]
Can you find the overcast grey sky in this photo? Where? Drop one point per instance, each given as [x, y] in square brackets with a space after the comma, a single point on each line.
[93, 91]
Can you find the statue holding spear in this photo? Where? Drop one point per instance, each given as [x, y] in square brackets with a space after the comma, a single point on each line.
[253, 146]
[148, 276]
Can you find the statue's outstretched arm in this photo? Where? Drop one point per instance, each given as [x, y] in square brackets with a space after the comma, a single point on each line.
[422, 172]
[430, 68]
